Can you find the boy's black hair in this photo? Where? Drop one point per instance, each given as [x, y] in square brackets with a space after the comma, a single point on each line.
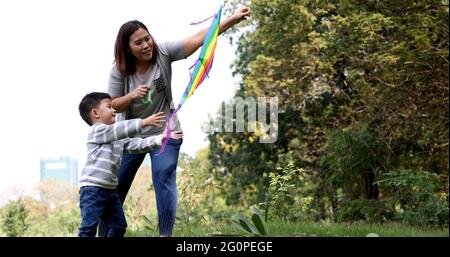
[89, 102]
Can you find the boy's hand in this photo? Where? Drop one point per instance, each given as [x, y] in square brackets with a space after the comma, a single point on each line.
[177, 135]
[157, 119]
[174, 134]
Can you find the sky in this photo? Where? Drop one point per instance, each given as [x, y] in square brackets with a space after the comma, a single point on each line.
[52, 53]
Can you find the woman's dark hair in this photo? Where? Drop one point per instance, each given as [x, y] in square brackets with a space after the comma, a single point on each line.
[125, 60]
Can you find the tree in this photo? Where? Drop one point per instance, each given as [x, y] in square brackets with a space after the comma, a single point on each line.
[56, 194]
[14, 220]
[341, 66]
[353, 159]
[345, 63]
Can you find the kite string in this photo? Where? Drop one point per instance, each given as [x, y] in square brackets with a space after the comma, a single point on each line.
[200, 22]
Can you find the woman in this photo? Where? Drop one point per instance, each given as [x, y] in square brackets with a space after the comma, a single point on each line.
[140, 85]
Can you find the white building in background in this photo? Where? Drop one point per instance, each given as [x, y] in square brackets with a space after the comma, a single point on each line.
[63, 169]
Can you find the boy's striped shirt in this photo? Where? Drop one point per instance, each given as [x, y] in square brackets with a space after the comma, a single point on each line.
[105, 147]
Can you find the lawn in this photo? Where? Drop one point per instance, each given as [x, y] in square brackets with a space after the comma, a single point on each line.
[304, 229]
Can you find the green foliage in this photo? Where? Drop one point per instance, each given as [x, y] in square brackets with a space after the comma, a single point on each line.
[372, 211]
[200, 202]
[58, 222]
[352, 152]
[145, 226]
[255, 227]
[419, 196]
[14, 219]
[281, 190]
[352, 159]
[240, 161]
[67, 220]
[133, 212]
[196, 190]
[56, 213]
[363, 93]
[354, 229]
[363, 89]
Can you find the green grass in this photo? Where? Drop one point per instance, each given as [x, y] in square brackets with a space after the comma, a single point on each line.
[305, 229]
[352, 230]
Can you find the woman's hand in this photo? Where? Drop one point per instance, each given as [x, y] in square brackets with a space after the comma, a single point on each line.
[157, 119]
[139, 92]
[242, 14]
[122, 103]
[192, 43]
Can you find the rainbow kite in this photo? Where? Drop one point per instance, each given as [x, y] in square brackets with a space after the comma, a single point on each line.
[201, 70]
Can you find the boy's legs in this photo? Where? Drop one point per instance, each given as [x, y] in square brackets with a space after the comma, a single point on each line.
[93, 202]
[128, 168]
[164, 179]
[115, 217]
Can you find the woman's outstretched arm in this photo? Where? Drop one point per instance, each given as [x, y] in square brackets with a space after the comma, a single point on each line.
[192, 43]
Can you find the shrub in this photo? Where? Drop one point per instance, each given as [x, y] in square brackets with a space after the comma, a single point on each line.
[420, 196]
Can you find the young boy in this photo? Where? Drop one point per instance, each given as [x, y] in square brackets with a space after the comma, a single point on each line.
[107, 140]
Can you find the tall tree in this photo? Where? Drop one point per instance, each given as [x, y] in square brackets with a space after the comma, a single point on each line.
[14, 220]
[342, 66]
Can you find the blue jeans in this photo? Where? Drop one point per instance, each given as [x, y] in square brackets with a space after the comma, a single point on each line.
[96, 203]
[164, 180]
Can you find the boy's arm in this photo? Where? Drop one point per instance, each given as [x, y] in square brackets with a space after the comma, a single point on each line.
[140, 145]
[102, 133]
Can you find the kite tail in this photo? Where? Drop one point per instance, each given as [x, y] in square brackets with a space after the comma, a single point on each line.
[200, 22]
[169, 131]
[202, 67]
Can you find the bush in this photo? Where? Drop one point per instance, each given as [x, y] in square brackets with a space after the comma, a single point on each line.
[373, 211]
[281, 191]
[420, 197]
[15, 219]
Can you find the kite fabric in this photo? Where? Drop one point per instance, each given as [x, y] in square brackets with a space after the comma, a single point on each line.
[201, 68]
